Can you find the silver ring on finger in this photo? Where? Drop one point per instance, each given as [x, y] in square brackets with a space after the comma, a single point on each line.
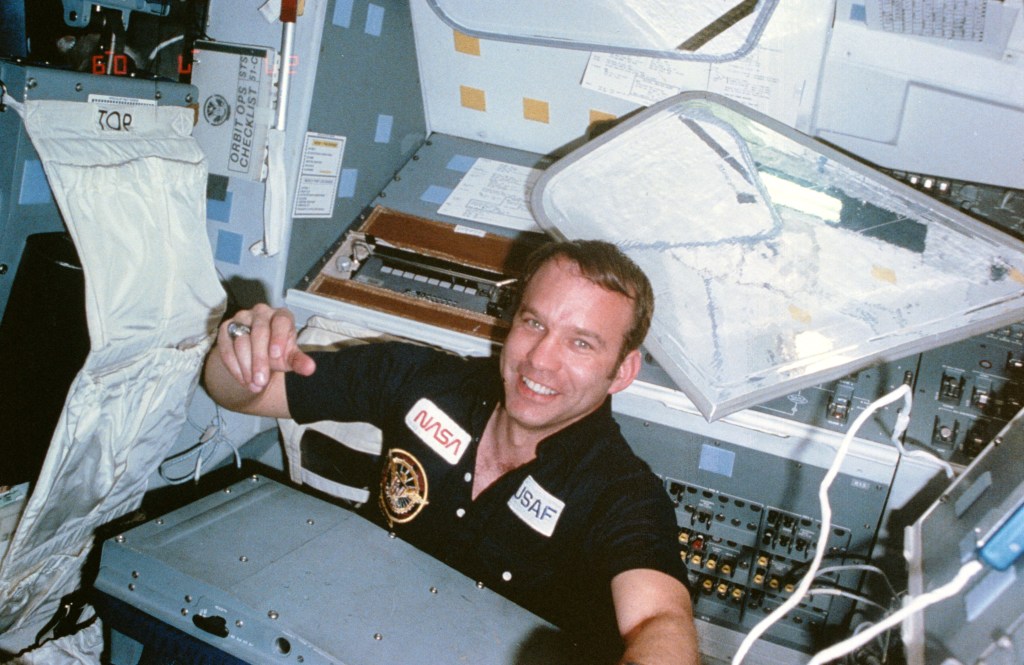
[236, 330]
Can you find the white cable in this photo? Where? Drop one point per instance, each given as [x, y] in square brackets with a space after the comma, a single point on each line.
[826, 521]
[902, 420]
[864, 567]
[918, 603]
[164, 44]
[204, 449]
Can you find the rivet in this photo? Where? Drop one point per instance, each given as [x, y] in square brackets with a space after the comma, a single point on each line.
[310, 522]
[378, 637]
[479, 585]
[273, 614]
[184, 611]
[243, 558]
[433, 589]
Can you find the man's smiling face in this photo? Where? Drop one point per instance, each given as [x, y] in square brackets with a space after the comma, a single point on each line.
[561, 357]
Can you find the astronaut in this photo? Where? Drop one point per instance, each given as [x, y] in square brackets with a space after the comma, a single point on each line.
[511, 470]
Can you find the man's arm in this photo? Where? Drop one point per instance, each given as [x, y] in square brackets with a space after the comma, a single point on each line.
[246, 373]
[655, 618]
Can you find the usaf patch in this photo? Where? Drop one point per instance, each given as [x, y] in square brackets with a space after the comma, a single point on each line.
[536, 506]
[436, 429]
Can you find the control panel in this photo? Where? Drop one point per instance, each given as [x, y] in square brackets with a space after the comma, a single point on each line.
[967, 392]
[964, 394]
[749, 525]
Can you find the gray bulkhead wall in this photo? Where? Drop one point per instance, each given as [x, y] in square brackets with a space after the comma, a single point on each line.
[368, 90]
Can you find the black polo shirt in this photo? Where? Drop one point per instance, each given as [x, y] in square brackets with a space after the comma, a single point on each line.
[549, 535]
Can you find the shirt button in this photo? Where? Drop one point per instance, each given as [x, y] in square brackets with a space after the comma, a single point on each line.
[507, 576]
[468, 477]
[461, 512]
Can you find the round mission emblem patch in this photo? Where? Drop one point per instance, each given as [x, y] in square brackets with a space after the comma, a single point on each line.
[403, 486]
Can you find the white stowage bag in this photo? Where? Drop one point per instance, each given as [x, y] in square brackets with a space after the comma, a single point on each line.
[130, 182]
[322, 334]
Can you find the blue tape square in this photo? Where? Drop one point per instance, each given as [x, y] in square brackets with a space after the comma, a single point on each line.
[384, 125]
[461, 163]
[858, 13]
[34, 187]
[374, 20]
[219, 210]
[717, 460]
[229, 247]
[435, 194]
[342, 16]
[347, 183]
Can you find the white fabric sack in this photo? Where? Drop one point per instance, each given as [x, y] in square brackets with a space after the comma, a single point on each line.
[132, 195]
[322, 334]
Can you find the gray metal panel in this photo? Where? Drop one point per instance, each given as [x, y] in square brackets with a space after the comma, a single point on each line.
[441, 163]
[292, 575]
[17, 220]
[362, 77]
[46, 83]
[981, 623]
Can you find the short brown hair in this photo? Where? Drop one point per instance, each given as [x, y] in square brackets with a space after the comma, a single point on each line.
[606, 265]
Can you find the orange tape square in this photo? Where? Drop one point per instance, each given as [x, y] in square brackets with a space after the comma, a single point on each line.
[473, 98]
[466, 44]
[536, 110]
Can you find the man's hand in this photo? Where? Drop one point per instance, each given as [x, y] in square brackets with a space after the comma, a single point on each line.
[245, 370]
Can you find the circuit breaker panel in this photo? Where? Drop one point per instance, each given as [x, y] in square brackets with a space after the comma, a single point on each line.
[749, 523]
[964, 394]
[967, 392]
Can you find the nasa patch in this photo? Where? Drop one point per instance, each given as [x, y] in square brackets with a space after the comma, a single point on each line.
[536, 506]
[436, 428]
